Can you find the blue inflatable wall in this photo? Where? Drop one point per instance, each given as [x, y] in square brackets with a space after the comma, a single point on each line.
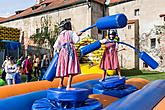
[144, 99]
[21, 102]
[51, 71]
[25, 101]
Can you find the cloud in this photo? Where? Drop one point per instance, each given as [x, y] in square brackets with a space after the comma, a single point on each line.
[6, 14]
[8, 7]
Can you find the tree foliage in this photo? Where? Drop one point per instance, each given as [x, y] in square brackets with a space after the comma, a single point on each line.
[45, 34]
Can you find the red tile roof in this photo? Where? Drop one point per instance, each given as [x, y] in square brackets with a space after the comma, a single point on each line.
[50, 5]
[113, 1]
[1, 18]
[99, 1]
[47, 1]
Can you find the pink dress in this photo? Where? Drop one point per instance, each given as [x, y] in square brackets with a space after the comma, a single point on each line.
[68, 62]
[110, 58]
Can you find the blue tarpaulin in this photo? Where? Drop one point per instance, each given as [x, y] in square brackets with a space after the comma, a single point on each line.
[11, 45]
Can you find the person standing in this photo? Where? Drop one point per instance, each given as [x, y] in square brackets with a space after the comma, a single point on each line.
[10, 69]
[3, 66]
[17, 75]
[109, 59]
[35, 65]
[44, 66]
[28, 68]
[68, 63]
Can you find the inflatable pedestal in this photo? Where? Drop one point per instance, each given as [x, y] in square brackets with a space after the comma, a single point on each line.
[114, 86]
[62, 99]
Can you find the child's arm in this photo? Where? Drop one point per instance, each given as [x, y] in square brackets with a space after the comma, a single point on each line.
[79, 33]
[10, 71]
[15, 68]
[57, 45]
[103, 41]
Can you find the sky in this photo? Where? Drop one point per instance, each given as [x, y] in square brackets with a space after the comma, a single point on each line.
[8, 7]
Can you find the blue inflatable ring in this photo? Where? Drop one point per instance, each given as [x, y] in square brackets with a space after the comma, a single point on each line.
[113, 81]
[119, 91]
[77, 95]
[45, 104]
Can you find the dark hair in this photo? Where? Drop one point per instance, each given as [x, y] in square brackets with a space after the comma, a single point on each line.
[112, 33]
[68, 26]
[65, 25]
[11, 58]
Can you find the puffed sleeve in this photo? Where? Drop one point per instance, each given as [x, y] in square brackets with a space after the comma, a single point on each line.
[57, 44]
[108, 45]
[75, 38]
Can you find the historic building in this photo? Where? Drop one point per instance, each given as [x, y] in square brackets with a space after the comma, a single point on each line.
[48, 13]
[144, 30]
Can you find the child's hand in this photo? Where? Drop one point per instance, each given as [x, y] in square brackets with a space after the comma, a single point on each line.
[79, 33]
[103, 41]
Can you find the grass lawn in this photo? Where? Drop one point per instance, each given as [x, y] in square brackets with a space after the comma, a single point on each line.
[129, 73]
[149, 75]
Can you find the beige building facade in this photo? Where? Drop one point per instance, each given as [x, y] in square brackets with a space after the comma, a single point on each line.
[145, 18]
[144, 31]
[82, 15]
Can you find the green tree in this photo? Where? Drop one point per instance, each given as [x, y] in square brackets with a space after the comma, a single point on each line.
[45, 34]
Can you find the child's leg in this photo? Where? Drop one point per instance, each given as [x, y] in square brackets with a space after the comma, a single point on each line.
[104, 75]
[61, 82]
[69, 82]
[118, 71]
[14, 81]
[9, 81]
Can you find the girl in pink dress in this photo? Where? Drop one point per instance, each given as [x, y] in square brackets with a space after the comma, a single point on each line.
[68, 63]
[110, 58]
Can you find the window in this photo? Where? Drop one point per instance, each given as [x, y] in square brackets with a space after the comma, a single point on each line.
[129, 26]
[153, 43]
[136, 13]
[34, 7]
[44, 5]
[46, 29]
[145, 65]
[38, 30]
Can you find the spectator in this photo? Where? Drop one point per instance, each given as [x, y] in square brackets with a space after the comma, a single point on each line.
[44, 65]
[10, 69]
[36, 66]
[3, 67]
[19, 61]
[28, 68]
[17, 75]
